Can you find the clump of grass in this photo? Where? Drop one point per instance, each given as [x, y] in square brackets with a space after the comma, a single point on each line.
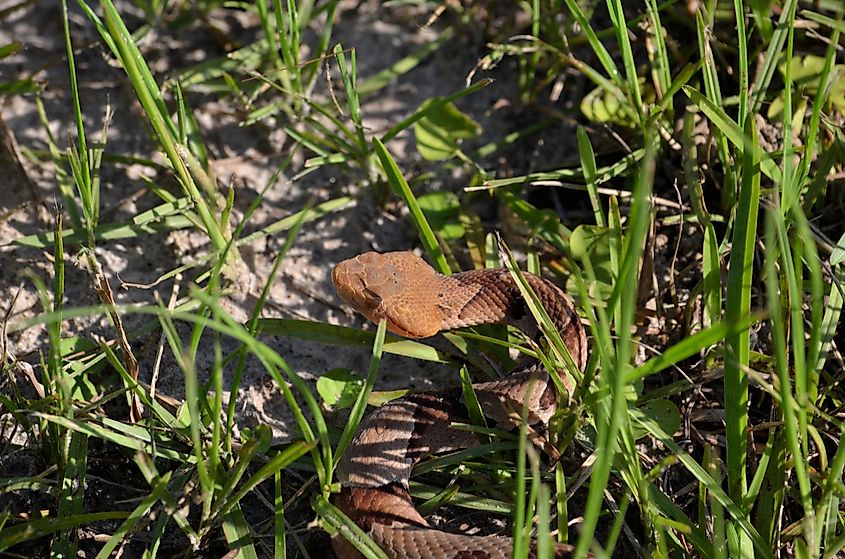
[750, 322]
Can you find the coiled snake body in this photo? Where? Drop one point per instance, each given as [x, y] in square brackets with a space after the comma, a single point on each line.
[418, 302]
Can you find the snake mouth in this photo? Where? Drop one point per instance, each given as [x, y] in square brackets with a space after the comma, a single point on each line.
[377, 313]
[396, 329]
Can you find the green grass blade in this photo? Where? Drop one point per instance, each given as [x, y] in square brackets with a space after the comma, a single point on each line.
[713, 92]
[742, 59]
[737, 514]
[822, 95]
[737, 308]
[347, 336]
[34, 529]
[360, 406]
[349, 76]
[338, 523]
[790, 189]
[835, 24]
[275, 464]
[137, 515]
[150, 98]
[598, 47]
[541, 316]
[401, 188]
[603, 174]
[237, 533]
[252, 325]
[561, 505]
[72, 491]
[77, 107]
[611, 415]
[521, 500]
[404, 65]
[770, 61]
[732, 130]
[133, 442]
[789, 406]
[661, 68]
[688, 347]
[588, 166]
[617, 17]
[279, 529]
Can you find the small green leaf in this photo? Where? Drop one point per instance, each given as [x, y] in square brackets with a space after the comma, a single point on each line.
[664, 413]
[604, 106]
[339, 388]
[183, 417]
[806, 72]
[381, 397]
[804, 68]
[15, 87]
[441, 130]
[601, 106]
[585, 239]
[594, 242]
[838, 254]
[82, 389]
[442, 209]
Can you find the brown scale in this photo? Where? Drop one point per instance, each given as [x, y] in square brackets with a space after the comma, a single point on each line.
[417, 302]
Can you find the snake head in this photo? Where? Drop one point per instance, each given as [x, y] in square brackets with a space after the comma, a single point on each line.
[352, 279]
[391, 286]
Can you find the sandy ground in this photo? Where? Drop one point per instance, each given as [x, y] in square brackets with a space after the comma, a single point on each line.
[242, 156]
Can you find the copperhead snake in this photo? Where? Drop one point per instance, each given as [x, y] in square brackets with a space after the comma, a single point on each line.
[417, 302]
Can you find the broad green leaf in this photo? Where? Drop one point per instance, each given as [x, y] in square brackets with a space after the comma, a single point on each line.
[442, 209]
[593, 242]
[236, 529]
[82, 389]
[440, 132]
[603, 107]
[339, 388]
[663, 412]
[806, 72]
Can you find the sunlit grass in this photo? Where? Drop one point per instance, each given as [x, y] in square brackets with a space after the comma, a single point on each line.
[765, 298]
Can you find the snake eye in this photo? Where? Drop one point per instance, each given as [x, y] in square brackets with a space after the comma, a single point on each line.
[373, 299]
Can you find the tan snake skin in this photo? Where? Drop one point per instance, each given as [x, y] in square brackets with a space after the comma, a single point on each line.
[418, 302]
